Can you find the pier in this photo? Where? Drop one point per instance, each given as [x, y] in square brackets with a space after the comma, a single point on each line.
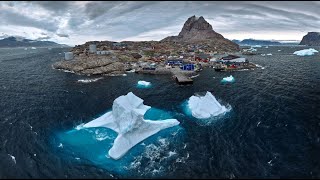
[182, 78]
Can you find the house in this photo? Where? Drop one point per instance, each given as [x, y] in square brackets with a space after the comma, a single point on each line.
[188, 67]
[203, 57]
[174, 62]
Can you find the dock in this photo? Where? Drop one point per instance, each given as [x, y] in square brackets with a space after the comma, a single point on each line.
[182, 78]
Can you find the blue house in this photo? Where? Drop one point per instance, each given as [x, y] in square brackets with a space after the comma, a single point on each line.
[176, 62]
[188, 67]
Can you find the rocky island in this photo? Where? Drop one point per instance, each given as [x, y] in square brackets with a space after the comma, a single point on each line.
[196, 46]
[311, 39]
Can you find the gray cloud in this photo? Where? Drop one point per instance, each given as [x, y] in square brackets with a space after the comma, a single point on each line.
[116, 20]
[12, 18]
[63, 35]
[43, 38]
[55, 6]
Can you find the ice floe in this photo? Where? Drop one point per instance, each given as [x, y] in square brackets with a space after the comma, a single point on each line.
[256, 46]
[89, 80]
[144, 84]
[13, 158]
[269, 54]
[228, 79]
[203, 107]
[306, 52]
[127, 119]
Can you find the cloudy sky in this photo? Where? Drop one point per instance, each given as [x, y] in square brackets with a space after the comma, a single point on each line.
[72, 22]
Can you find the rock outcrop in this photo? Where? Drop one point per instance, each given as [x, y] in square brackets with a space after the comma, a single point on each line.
[198, 30]
[311, 39]
[96, 66]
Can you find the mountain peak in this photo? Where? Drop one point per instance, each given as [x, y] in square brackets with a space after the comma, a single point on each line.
[197, 29]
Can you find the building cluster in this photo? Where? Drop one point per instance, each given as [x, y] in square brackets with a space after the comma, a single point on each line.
[185, 57]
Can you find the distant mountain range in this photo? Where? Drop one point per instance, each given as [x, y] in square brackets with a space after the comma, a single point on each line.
[252, 42]
[22, 42]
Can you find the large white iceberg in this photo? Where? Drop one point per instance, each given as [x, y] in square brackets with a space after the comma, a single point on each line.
[228, 79]
[205, 107]
[126, 118]
[144, 83]
[306, 52]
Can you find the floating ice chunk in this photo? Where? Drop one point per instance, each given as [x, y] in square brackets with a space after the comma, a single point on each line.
[252, 49]
[205, 107]
[306, 52]
[89, 80]
[25, 48]
[228, 79]
[126, 118]
[269, 54]
[256, 46]
[13, 158]
[279, 50]
[33, 48]
[267, 47]
[263, 54]
[131, 71]
[143, 84]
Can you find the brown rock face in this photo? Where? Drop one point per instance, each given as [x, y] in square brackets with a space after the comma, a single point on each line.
[199, 30]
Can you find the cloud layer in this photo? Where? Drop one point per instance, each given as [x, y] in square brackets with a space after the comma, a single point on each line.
[73, 22]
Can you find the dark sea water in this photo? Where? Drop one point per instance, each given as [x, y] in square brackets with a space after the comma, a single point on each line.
[272, 130]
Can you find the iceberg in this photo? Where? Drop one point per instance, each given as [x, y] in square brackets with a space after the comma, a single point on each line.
[205, 107]
[33, 48]
[252, 49]
[144, 84]
[306, 52]
[89, 80]
[256, 46]
[127, 120]
[228, 79]
[269, 54]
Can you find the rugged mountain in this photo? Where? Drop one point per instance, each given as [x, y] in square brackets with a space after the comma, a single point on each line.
[22, 42]
[311, 39]
[198, 30]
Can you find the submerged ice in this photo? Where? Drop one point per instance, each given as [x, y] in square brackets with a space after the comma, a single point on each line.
[203, 107]
[127, 120]
[306, 52]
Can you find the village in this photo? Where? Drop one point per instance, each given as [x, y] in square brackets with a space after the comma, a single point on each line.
[181, 60]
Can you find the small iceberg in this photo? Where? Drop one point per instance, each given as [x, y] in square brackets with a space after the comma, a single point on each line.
[252, 49]
[204, 107]
[263, 54]
[33, 48]
[306, 52]
[127, 120]
[195, 76]
[228, 79]
[256, 46]
[143, 84]
[269, 54]
[25, 48]
[279, 50]
[89, 80]
[131, 71]
[267, 47]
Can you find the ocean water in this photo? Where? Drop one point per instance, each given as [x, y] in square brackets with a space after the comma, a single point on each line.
[272, 131]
